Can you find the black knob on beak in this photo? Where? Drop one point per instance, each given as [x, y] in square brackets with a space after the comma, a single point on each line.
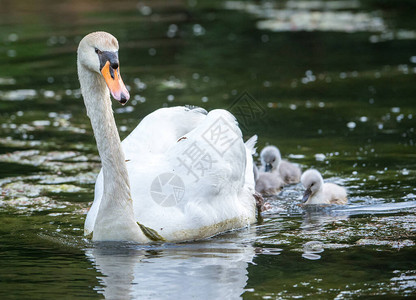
[111, 57]
[114, 64]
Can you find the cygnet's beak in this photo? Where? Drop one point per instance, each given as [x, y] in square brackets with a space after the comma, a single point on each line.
[114, 82]
[306, 195]
[268, 167]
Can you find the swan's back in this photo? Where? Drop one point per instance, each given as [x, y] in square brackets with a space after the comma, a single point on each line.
[162, 128]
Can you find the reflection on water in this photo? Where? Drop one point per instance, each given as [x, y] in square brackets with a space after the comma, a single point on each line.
[315, 218]
[204, 270]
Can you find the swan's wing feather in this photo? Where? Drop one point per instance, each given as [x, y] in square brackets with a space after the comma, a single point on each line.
[211, 161]
[160, 129]
[211, 153]
[251, 144]
[251, 169]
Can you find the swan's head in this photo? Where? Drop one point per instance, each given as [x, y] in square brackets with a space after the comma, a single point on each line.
[312, 181]
[98, 52]
[270, 158]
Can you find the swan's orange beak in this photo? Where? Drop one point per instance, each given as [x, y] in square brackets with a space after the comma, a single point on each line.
[115, 83]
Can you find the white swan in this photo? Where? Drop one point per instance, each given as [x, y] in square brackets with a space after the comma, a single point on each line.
[318, 192]
[181, 175]
[271, 161]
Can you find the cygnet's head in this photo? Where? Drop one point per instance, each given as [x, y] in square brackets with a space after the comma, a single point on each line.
[270, 158]
[312, 181]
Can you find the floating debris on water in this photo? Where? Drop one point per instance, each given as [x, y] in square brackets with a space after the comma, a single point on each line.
[198, 30]
[393, 244]
[26, 204]
[82, 178]
[7, 81]
[18, 143]
[50, 160]
[351, 125]
[32, 193]
[269, 251]
[320, 157]
[324, 17]
[296, 156]
[18, 95]
[311, 256]
[331, 5]
[20, 188]
[313, 247]
[41, 123]
[123, 110]
[172, 83]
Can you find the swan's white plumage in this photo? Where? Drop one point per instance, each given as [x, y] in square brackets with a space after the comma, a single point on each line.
[221, 199]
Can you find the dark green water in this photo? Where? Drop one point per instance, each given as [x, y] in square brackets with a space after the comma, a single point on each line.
[333, 86]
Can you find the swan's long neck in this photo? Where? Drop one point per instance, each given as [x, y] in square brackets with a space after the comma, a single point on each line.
[115, 219]
[98, 103]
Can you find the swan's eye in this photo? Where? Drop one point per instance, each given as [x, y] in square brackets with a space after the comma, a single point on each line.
[273, 159]
[98, 51]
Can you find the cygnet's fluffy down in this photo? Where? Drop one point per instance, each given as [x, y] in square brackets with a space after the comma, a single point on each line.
[318, 192]
[289, 172]
[268, 184]
[271, 161]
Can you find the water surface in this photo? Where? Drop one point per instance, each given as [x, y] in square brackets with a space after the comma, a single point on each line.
[331, 83]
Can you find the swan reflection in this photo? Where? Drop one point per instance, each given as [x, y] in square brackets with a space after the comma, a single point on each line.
[211, 269]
